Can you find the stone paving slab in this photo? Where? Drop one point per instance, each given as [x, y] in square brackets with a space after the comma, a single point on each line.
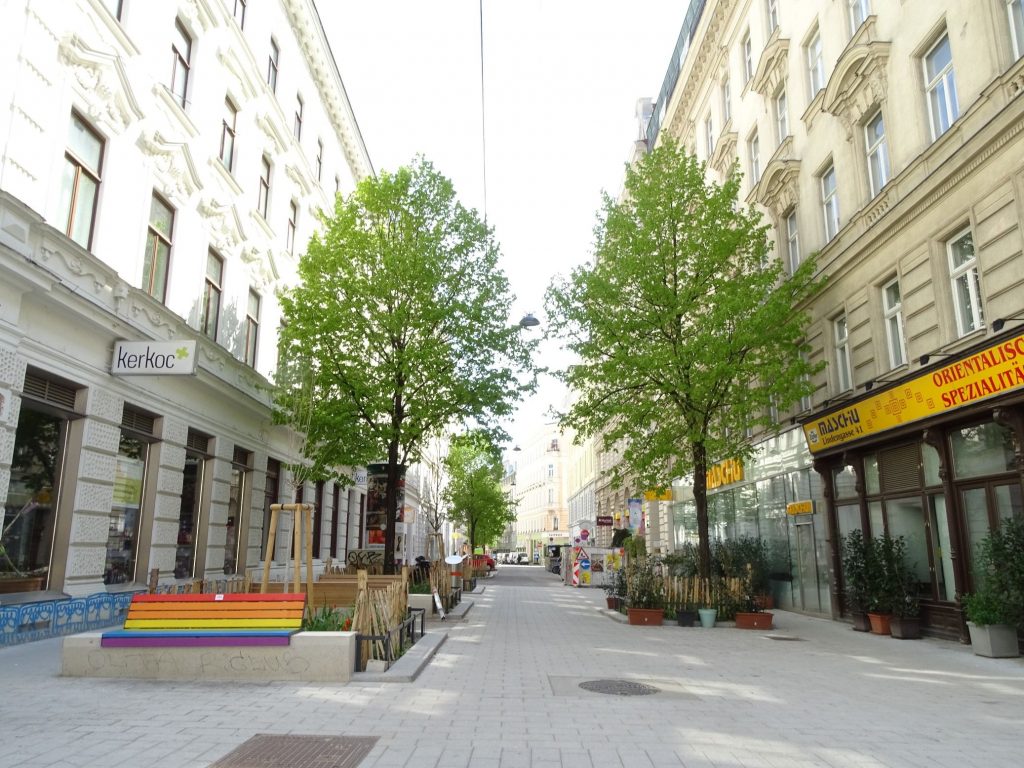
[835, 698]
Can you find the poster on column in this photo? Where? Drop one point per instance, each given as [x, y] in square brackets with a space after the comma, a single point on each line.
[376, 504]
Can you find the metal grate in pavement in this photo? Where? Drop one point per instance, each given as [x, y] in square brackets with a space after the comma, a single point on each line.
[265, 750]
[618, 687]
[783, 637]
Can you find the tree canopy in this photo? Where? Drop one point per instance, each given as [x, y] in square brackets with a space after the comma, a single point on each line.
[476, 501]
[398, 328]
[686, 328]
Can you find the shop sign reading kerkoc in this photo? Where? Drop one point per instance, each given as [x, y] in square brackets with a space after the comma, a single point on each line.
[154, 358]
[990, 372]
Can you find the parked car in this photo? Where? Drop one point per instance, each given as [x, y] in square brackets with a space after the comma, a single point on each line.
[522, 558]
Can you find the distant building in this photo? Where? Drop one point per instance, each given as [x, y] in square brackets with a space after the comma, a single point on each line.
[161, 170]
[541, 514]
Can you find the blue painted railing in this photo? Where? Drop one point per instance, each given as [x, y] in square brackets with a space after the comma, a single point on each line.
[27, 622]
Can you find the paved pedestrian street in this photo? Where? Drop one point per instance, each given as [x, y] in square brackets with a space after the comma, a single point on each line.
[505, 690]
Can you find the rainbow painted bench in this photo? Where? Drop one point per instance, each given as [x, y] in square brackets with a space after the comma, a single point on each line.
[207, 620]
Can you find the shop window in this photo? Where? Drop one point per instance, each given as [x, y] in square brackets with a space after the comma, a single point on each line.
[872, 481]
[906, 518]
[899, 468]
[81, 182]
[982, 449]
[190, 505]
[238, 493]
[129, 487]
[844, 483]
[271, 495]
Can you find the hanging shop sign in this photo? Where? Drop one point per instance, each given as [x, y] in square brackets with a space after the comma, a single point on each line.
[725, 473]
[988, 373]
[800, 507]
[604, 521]
[153, 358]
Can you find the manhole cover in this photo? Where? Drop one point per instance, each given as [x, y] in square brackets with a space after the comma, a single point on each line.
[783, 637]
[265, 750]
[618, 687]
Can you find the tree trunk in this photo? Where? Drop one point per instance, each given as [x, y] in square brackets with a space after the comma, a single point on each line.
[700, 501]
[391, 502]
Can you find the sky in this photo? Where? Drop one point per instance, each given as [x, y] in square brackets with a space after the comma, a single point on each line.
[561, 79]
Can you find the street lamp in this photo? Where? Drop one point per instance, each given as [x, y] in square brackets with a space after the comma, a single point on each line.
[529, 321]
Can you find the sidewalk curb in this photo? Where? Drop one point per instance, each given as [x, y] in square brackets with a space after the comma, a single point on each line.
[407, 668]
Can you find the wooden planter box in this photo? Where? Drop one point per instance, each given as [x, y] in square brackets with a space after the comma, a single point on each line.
[761, 620]
[905, 627]
[651, 616]
[22, 584]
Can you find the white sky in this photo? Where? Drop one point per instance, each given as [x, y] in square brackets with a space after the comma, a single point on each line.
[561, 81]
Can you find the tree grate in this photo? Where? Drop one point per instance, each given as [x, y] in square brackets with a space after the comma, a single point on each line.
[618, 687]
[266, 750]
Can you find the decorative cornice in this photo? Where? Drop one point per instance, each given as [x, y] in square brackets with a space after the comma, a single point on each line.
[262, 266]
[778, 189]
[224, 225]
[246, 87]
[772, 67]
[278, 142]
[725, 152]
[110, 100]
[859, 81]
[197, 14]
[300, 178]
[173, 165]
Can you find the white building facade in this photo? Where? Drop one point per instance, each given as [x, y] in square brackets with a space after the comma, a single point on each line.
[162, 168]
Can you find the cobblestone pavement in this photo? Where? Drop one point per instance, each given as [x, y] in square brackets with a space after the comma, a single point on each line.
[504, 690]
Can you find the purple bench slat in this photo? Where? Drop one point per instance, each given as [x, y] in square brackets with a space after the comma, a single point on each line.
[191, 642]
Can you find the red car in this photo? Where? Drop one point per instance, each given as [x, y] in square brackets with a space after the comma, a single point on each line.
[483, 563]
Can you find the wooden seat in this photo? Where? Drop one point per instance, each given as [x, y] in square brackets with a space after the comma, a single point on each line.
[198, 620]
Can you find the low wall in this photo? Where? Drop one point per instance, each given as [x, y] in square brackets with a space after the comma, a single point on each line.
[311, 657]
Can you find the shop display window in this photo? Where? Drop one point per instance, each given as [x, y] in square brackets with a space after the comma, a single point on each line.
[982, 449]
[188, 517]
[125, 512]
[844, 481]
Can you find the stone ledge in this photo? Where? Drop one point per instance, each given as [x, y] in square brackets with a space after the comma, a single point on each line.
[409, 666]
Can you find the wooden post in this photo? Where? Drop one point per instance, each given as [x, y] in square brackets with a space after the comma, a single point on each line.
[297, 540]
[275, 510]
[307, 522]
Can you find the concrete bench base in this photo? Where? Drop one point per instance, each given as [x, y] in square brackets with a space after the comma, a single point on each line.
[311, 657]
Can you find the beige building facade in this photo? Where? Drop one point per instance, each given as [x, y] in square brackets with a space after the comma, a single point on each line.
[888, 138]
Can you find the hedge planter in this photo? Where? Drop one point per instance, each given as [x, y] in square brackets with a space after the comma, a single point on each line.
[651, 616]
[761, 620]
[905, 627]
[881, 623]
[860, 622]
[614, 602]
[997, 641]
[686, 618]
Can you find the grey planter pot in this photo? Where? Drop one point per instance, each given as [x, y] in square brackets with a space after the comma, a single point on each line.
[707, 617]
[996, 641]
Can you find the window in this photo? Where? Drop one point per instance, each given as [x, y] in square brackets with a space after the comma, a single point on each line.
[297, 128]
[941, 87]
[792, 241]
[181, 50]
[116, 8]
[859, 10]
[212, 290]
[966, 283]
[551, 471]
[830, 202]
[158, 249]
[239, 12]
[1016, 11]
[337, 185]
[81, 182]
[815, 64]
[844, 380]
[554, 523]
[754, 149]
[293, 218]
[892, 306]
[263, 203]
[709, 136]
[252, 327]
[781, 115]
[878, 154]
[726, 101]
[227, 135]
[319, 159]
[773, 15]
[748, 59]
[126, 509]
[272, 65]
[551, 495]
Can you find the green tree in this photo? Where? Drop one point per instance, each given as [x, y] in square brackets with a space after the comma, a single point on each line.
[476, 501]
[686, 330]
[398, 328]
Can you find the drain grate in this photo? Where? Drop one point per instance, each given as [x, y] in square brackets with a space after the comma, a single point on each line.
[266, 750]
[618, 687]
[783, 637]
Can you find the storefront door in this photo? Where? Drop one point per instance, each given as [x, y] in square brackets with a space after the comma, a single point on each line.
[807, 593]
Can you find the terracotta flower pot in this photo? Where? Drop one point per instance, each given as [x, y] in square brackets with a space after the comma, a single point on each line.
[880, 623]
[751, 620]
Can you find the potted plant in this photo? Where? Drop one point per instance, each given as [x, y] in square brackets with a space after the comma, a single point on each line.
[856, 551]
[996, 609]
[885, 581]
[906, 621]
[751, 613]
[646, 589]
[615, 589]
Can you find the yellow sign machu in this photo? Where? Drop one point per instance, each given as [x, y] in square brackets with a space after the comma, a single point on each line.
[724, 473]
[990, 372]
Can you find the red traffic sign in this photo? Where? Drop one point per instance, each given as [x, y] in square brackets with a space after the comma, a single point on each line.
[584, 534]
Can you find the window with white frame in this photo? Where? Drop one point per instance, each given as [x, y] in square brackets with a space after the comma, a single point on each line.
[773, 15]
[877, 152]
[829, 201]
[781, 115]
[319, 159]
[709, 136]
[748, 58]
[273, 64]
[965, 281]
[1016, 10]
[792, 241]
[252, 327]
[892, 308]
[841, 339]
[299, 107]
[859, 10]
[157, 258]
[754, 150]
[227, 135]
[263, 201]
[80, 184]
[815, 64]
[940, 86]
[181, 52]
[293, 221]
[239, 12]
[726, 101]
[212, 291]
